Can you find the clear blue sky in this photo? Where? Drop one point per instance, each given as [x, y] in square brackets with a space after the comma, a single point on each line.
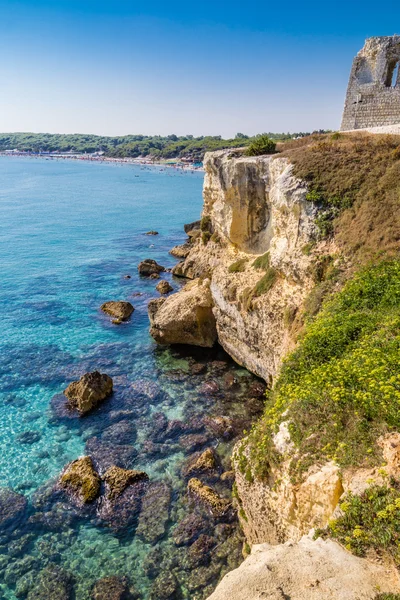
[204, 67]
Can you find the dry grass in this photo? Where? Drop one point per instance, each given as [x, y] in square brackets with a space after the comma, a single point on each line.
[355, 181]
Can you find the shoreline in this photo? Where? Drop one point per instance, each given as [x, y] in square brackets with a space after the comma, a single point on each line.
[143, 162]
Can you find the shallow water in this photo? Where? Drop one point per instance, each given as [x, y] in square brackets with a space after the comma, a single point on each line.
[69, 234]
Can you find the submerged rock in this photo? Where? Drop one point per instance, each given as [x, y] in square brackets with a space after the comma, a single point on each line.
[81, 479]
[209, 498]
[121, 512]
[185, 317]
[113, 588]
[29, 437]
[189, 529]
[165, 587]
[154, 515]
[89, 391]
[107, 455]
[118, 479]
[222, 426]
[150, 267]
[199, 553]
[205, 463]
[52, 583]
[12, 509]
[118, 309]
[164, 287]
[120, 433]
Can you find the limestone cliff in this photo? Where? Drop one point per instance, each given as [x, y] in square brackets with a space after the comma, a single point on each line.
[253, 206]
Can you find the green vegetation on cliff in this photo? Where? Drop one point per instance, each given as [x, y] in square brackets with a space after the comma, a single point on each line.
[340, 389]
[370, 520]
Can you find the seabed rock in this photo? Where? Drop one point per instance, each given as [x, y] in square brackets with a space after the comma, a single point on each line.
[118, 479]
[52, 583]
[149, 267]
[12, 509]
[154, 515]
[219, 507]
[120, 433]
[165, 587]
[113, 588]
[205, 463]
[89, 391]
[106, 455]
[81, 479]
[189, 529]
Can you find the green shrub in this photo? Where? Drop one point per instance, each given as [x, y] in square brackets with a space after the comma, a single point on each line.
[205, 237]
[239, 266]
[370, 520]
[261, 144]
[266, 282]
[340, 389]
[262, 262]
[205, 224]
[387, 597]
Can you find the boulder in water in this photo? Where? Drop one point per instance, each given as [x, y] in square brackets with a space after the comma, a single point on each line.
[164, 287]
[89, 391]
[81, 480]
[52, 583]
[149, 267]
[155, 512]
[118, 309]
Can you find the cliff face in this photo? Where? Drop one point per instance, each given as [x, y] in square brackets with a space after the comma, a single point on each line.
[253, 206]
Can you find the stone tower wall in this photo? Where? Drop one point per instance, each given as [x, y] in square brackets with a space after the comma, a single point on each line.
[373, 93]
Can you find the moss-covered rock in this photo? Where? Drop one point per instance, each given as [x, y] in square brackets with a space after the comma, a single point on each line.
[81, 479]
[209, 498]
[89, 391]
[118, 309]
[202, 463]
[118, 479]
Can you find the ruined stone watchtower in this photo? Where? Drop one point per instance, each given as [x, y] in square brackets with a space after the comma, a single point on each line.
[373, 94]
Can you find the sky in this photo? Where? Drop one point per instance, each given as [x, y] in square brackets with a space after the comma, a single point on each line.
[121, 67]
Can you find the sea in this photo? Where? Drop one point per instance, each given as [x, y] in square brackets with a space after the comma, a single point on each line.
[71, 236]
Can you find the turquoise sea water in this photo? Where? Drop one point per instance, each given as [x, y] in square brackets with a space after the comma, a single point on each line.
[69, 234]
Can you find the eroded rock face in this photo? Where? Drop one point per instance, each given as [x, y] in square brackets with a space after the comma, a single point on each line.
[81, 480]
[181, 251]
[306, 570]
[184, 318]
[149, 267]
[89, 391]
[118, 309]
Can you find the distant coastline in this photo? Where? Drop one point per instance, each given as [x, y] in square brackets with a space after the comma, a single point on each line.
[181, 165]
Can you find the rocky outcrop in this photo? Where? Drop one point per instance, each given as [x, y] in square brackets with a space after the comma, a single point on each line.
[89, 391]
[306, 570]
[81, 480]
[113, 588]
[181, 251]
[149, 267]
[185, 317]
[164, 287]
[118, 309]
